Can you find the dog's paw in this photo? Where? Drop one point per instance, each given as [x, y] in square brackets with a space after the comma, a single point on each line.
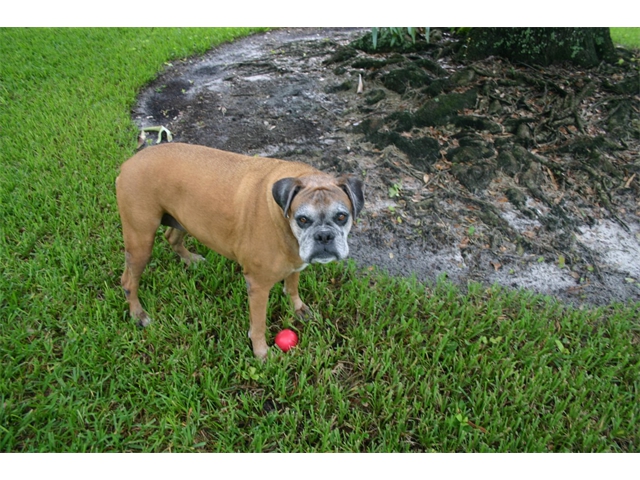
[261, 353]
[192, 259]
[143, 320]
[304, 312]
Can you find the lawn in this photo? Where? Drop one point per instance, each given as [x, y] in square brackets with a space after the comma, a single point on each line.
[629, 37]
[386, 365]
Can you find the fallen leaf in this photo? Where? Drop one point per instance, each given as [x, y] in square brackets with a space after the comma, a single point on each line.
[496, 265]
[559, 199]
[477, 427]
[360, 84]
[626, 185]
[553, 179]
[141, 139]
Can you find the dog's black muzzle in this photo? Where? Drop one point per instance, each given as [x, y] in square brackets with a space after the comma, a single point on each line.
[324, 247]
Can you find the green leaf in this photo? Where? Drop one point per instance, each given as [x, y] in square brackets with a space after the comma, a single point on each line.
[561, 261]
[412, 33]
[394, 190]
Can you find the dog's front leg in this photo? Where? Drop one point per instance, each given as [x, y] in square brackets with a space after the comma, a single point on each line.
[258, 299]
[291, 288]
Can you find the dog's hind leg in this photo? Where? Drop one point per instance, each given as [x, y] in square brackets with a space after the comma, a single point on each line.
[137, 254]
[140, 219]
[175, 237]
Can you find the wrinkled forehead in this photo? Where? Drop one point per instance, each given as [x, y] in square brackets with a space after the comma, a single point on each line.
[328, 199]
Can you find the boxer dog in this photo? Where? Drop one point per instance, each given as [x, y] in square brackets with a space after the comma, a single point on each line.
[271, 216]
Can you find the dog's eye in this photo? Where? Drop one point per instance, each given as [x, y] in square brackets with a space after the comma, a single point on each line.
[341, 218]
[303, 221]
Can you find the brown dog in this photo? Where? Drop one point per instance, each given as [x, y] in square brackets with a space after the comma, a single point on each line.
[273, 217]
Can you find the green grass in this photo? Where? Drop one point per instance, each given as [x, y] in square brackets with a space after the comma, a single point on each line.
[628, 37]
[385, 365]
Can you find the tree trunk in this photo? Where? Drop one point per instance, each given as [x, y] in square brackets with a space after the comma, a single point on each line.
[585, 47]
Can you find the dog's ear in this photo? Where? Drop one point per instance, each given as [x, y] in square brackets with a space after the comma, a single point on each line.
[283, 192]
[354, 188]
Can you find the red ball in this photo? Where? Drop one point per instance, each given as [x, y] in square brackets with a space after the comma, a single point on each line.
[286, 339]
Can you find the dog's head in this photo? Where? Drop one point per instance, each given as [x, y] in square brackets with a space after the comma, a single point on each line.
[320, 210]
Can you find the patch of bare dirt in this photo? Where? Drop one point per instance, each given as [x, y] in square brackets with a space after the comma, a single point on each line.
[485, 171]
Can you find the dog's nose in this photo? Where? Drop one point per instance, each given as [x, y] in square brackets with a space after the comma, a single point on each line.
[324, 237]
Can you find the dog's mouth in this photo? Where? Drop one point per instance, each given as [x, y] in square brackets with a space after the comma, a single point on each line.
[324, 257]
[324, 254]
